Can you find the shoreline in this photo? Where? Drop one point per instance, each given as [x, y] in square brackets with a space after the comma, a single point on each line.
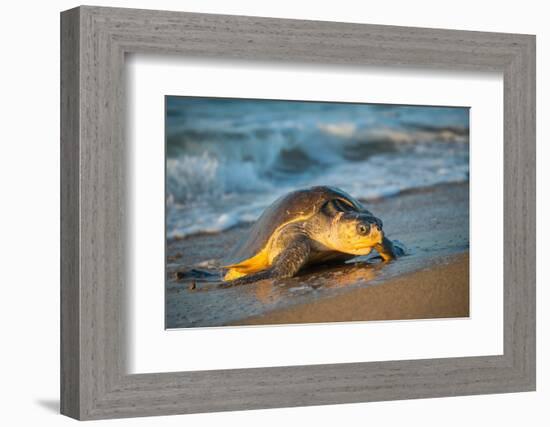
[370, 201]
[433, 293]
[432, 224]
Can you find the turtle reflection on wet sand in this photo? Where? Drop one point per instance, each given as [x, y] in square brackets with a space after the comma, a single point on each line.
[306, 227]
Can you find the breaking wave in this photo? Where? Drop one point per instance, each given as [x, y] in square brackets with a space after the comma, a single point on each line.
[228, 159]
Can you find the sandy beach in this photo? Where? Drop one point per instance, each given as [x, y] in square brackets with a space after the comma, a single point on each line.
[438, 292]
[431, 281]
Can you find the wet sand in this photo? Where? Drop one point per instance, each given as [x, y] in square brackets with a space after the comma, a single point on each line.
[439, 292]
[432, 281]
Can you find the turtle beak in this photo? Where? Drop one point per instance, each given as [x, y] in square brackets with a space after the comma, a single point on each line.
[380, 232]
[375, 222]
[376, 229]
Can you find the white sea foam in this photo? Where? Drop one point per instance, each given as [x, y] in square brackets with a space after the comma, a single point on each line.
[228, 161]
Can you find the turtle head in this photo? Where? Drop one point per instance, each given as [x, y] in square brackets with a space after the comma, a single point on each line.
[355, 233]
[346, 226]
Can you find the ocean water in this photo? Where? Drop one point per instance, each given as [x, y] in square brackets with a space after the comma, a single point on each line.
[227, 159]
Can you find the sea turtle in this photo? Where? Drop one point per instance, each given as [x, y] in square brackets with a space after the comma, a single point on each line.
[305, 227]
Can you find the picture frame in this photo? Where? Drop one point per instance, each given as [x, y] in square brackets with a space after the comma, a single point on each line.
[94, 381]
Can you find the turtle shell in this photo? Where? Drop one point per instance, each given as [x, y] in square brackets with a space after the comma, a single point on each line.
[293, 207]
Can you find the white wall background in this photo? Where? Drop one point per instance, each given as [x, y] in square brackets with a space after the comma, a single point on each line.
[29, 224]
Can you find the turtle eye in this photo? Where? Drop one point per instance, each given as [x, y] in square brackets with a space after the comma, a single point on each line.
[363, 229]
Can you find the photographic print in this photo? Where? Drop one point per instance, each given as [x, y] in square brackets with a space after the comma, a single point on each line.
[292, 212]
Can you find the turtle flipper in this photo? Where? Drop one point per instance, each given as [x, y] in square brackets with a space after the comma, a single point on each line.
[285, 265]
[388, 250]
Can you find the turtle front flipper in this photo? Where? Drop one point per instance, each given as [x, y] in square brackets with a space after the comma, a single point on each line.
[388, 250]
[285, 265]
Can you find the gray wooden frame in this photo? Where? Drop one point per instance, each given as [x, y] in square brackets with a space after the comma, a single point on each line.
[94, 41]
